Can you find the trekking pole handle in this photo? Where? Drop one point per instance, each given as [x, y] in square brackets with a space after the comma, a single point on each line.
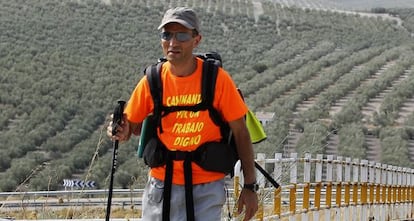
[117, 117]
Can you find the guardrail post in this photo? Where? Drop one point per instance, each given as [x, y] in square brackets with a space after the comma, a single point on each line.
[409, 192]
[328, 198]
[371, 181]
[338, 193]
[261, 160]
[399, 203]
[355, 188]
[364, 189]
[389, 192]
[306, 188]
[377, 198]
[384, 197]
[277, 173]
[394, 191]
[292, 192]
[347, 187]
[236, 184]
[404, 186]
[261, 157]
[318, 187]
[371, 188]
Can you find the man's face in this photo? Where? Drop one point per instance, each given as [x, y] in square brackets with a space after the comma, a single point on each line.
[178, 42]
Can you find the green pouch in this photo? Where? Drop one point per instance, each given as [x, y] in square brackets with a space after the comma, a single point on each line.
[148, 131]
[256, 131]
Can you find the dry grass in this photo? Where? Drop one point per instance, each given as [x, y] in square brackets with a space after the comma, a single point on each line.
[71, 213]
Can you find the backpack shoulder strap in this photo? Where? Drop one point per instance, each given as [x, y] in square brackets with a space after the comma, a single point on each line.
[208, 82]
[153, 73]
[208, 85]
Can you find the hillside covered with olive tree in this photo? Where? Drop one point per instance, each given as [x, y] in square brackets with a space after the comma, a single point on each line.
[338, 83]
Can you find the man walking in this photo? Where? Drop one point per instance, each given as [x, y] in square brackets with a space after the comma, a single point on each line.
[181, 81]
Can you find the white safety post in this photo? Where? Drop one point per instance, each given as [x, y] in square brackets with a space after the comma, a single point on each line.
[328, 199]
[277, 174]
[394, 191]
[306, 188]
[318, 187]
[411, 186]
[403, 190]
[347, 180]
[237, 180]
[399, 205]
[364, 190]
[390, 192]
[338, 192]
[377, 201]
[293, 181]
[355, 187]
[261, 160]
[261, 180]
[371, 188]
[410, 192]
[384, 192]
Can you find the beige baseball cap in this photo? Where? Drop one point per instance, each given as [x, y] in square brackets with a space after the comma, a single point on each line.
[182, 15]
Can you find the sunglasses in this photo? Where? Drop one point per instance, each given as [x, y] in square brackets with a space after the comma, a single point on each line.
[179, 36]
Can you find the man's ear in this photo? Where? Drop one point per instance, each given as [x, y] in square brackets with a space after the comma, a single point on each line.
[197, 41]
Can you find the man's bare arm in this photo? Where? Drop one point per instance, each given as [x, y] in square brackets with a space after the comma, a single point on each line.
[248, 200]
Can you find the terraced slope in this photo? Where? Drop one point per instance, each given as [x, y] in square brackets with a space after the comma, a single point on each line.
[411, 150]
[372, 143]
[63, 65]
[332, 145]
[344, 5]
[407, 108]
[329, 79]
[373, 105]
[373, 148]
[338, 105]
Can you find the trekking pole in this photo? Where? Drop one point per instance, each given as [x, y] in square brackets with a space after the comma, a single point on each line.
[116, 121]
[266, 175]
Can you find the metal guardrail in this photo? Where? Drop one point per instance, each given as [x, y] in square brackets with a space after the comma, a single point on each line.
[69, 198]
[342, 188]
[70, 192]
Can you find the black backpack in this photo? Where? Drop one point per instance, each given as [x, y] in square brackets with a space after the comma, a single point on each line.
[207, 156]
[156, 154]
